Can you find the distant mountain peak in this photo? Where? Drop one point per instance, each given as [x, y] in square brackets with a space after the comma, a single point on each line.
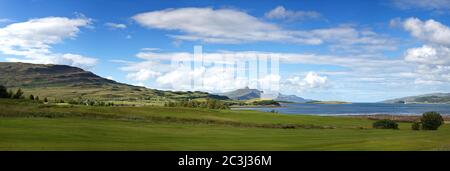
[246, 94]
[291, 98]
[243, 94]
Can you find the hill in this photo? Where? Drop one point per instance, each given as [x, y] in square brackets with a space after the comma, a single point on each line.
[67, 82]
[243, 94]
[291, 98]
[36, 75]
[426, 98]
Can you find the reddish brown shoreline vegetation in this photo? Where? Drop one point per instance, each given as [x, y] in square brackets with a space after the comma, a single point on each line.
[398, 118]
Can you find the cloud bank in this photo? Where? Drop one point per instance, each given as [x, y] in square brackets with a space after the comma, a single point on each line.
[31, 41]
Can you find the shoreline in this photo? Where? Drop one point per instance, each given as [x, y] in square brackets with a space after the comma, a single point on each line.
[395, 117]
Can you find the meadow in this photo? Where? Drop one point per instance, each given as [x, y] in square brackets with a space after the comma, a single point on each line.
[26, 125]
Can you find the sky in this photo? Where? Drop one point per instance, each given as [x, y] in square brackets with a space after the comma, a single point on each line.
[347, 50]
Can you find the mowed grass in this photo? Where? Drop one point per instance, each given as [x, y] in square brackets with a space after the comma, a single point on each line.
[30, 126]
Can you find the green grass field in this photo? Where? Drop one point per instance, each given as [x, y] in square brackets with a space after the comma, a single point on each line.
[33, 126]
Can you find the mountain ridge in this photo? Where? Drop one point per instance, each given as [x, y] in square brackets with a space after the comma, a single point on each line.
[68, 82]
[29, 75]
[423, 98]
[247, 94]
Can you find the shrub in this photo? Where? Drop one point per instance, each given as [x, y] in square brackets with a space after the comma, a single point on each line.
[10, 94]
[415, 126]
[19, 94]
[3, 92]
[267, 103]
[385, 124]
[431, 120]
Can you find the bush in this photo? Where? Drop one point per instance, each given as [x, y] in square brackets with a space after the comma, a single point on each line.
[19, 94]
[209, 103]
[415, 126]
[3, 92]
[267, 103]
[385, 124]
[10, 94]
[431, 120]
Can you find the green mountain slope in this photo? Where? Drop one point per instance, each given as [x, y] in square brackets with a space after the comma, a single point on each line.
[67, 82]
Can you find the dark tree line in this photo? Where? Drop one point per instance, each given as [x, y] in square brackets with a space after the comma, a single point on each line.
[4, 93]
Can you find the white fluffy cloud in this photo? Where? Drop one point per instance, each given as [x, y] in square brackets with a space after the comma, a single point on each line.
[116, 26]
[281, 13]
[231, 26]
[210, 25]
[430, 31]
[429, 55]
[312, 80]
[422, 4]
[77, 60]
[433, 63]
[31, 41]
[433, 58]
[143, 75]
[353, 61]
[212, 79]
[216, 79]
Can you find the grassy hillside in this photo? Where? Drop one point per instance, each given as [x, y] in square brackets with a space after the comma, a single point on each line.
[61, 82]
[27, 125]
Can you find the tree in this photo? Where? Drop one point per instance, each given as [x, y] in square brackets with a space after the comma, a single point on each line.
[431, 120]
[31, 97]
[18, 94]
[3, 92]
[45, 100]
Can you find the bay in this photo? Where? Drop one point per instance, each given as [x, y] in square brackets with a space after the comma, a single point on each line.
[355, 109]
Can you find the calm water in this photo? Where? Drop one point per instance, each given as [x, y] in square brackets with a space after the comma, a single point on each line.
[358, 108]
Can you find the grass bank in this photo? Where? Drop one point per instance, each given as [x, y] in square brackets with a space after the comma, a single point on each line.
[33, 126]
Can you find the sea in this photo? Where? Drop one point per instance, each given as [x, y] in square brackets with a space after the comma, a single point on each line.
[355, 109]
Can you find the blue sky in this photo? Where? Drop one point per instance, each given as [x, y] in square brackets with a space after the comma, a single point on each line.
[350, 50]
